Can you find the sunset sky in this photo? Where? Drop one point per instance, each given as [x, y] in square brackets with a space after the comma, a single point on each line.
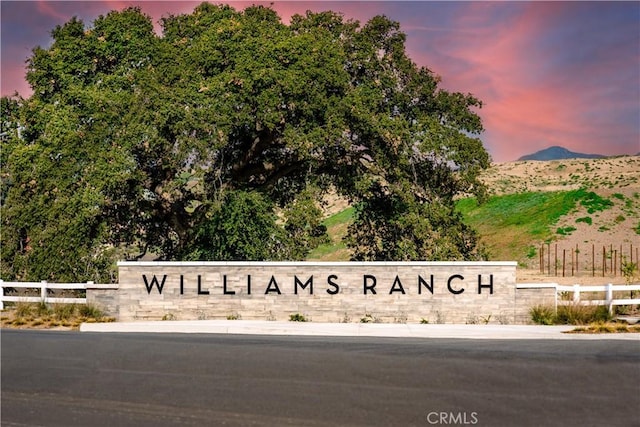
[549, 73]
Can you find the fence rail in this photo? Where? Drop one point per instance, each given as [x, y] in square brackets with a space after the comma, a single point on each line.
[577, 290]
[43, 286]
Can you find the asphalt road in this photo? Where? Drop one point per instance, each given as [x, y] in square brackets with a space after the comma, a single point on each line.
[99, 379]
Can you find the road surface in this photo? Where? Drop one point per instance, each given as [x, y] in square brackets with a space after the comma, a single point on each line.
[52, 378]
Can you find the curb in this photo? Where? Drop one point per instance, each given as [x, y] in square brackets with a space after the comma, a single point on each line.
[249, 327]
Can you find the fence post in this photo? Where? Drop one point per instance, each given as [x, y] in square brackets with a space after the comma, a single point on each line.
[576, 293]
[609, 297]
[1, 294]
[43, 291]
[86, 293]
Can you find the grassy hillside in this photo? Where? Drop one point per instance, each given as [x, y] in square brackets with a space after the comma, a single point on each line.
[570, 202]
[510, 224]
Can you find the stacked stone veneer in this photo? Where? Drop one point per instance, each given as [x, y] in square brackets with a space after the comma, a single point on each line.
[437, 292]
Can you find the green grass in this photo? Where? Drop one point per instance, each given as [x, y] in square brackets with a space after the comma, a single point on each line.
[335, 250]
[509, 223]
[342, 217]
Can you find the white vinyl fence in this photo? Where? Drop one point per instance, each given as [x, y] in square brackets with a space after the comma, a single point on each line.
[43, 287]
[577, 290]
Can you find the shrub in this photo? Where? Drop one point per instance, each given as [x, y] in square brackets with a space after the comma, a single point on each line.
[368, 318]
[42, 309]
[565, 231]
[23, 309]
[531, 252]
[64, 311]
[572, 314]
[586, 220]
[594, 202]
[297, 317]
[578, 314]
[542, 315]
[90, 311]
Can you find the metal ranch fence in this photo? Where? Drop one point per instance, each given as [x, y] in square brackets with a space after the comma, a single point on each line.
[575, 261]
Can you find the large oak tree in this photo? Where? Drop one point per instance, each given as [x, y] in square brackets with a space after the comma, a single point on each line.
[187, 144]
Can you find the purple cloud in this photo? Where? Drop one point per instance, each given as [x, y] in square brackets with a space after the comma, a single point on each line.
[549, 73]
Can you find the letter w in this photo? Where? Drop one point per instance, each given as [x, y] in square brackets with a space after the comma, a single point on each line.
[154, 282]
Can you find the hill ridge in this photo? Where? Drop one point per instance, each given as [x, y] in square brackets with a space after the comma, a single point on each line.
[558, 153]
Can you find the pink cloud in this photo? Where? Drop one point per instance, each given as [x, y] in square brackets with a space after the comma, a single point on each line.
[47, 8]
[544, 76]
[534, 97]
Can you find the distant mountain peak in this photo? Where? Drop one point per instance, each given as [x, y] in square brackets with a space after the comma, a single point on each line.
[558, 153]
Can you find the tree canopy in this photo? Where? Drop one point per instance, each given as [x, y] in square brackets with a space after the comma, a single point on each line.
[217, 139]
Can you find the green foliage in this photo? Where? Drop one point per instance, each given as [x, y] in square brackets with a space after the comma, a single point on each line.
[572, 314]
[399, 227]
[64, 311]
[577, 314]
[186, 145]
[594, 202]
[532, 251]
[542, 315]
[565, 231]
[586, 220]
[242, 228]
[297, 317]
[90, 311]
[629, 270]
[303, 224]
